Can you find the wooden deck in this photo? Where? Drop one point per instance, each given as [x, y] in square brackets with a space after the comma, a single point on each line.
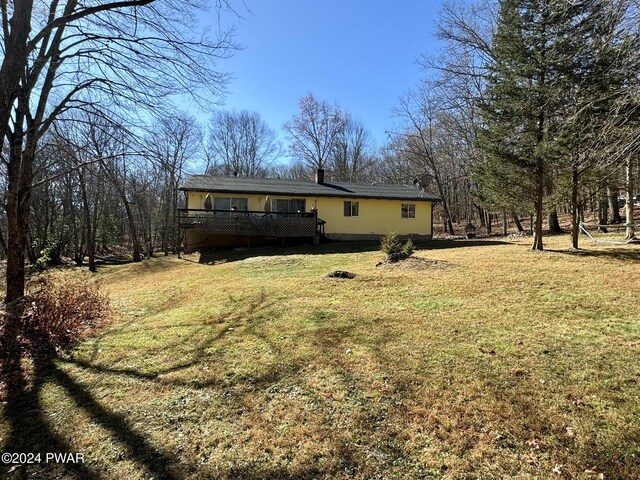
[249, 223]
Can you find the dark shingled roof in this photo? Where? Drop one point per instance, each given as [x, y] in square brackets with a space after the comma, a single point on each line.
[276, 186]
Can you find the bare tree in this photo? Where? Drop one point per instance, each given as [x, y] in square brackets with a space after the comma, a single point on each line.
[174, 141]
[93, 56]
[295, 170]
[419, 139]
[314, 130]
[457, 78]
[89, 56]
[240, 143]
[352, 158]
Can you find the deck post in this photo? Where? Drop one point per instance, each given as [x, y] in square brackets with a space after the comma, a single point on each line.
[185, 241]
[316, 233]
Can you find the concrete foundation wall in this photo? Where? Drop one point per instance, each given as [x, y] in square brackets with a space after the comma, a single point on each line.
[353, 237]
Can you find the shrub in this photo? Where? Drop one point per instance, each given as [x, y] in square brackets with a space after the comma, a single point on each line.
[66, 306]
[394, 249]
[390, 244]
[408, 248]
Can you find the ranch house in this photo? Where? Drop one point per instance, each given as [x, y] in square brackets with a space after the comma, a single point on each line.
[233, 211]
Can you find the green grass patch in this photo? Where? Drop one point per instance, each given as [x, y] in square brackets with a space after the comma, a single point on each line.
[510, 365]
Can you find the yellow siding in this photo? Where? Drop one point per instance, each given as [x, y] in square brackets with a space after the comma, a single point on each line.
[196, 199]
[376, 216]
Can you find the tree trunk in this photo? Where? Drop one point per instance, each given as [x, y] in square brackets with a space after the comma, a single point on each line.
[3, 246]
[20, 172]
[91, 244]
[166, 229]
[488, 222]
[612, 195]
[481, 215]
[15, 58]
[445, 205]
[120, 187]
[15, 254]
[539, 206]
[603, 212]
[574, 209]
[516, 220]
[505, 225]
[132, 228]
[149, 251]
[78, 254]
[554, 223]
[175, 231]
[537, 231]
[631, 231]
[145, 220]
[447, 217]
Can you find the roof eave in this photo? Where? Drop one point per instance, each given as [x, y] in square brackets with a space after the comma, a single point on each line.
[298, 194]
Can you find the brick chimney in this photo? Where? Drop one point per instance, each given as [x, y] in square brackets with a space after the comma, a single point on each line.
[320, 176]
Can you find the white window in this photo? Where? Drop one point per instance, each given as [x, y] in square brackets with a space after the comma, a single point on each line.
[240, 204]
[230, 203]
[222, 203]
[408, 210]
[351, 209]
[285, 205]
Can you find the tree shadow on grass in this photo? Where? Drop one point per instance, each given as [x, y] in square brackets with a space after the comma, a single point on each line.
[622, 254]
[198, 353]
[156, 462]
[29, 430]
[462, 243]
[30, 433]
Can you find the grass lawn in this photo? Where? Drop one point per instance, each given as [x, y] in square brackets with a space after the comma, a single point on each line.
[487, 362]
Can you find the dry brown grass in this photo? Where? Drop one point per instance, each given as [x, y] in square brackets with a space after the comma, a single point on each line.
[506, 364]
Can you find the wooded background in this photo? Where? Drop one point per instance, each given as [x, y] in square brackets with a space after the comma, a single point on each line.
[530, 111]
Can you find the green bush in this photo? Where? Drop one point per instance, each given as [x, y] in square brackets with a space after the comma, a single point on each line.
[408, 248]
[390, 244]
[394, 249]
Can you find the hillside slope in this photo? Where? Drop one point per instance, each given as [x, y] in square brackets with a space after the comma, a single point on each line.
[476, 360]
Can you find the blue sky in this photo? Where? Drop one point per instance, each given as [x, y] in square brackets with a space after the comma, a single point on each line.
[358, 54]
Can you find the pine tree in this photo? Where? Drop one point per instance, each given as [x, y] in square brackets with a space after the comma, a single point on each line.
[599, 65]
[519, 104]
[551, 99]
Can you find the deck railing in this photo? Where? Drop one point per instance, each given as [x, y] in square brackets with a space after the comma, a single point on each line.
[249, 223]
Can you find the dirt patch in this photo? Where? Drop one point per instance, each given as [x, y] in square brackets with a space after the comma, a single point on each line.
[273, 261]
[416, 263]
[340, 274]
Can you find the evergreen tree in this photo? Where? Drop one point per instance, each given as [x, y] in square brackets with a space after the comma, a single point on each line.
[553, 99]
[518, 106]
[599, 67]
[542, 54]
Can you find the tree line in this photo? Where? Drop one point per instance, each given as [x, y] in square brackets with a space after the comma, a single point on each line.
[529, 110]
[540, 98]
